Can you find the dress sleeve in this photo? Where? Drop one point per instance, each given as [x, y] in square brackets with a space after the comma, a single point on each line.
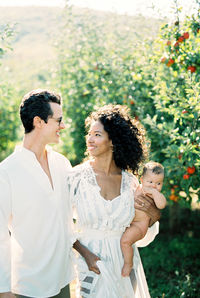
[73, 181]
[134, 183]
[5, 216]
[150, 235]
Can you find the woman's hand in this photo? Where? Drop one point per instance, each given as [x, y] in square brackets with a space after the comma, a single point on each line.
[7, 295]
[146, 204]
[90, 258]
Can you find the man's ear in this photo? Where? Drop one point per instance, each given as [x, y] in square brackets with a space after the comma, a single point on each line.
[37, 122]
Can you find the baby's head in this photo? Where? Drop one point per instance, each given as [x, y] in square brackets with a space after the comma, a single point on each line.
[153, 175]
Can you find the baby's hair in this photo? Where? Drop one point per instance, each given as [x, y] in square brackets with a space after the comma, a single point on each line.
[154, 167]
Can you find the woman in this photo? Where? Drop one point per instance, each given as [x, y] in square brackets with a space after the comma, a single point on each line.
[102, 192]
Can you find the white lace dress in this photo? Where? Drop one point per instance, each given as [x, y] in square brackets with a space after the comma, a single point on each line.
[100, 224]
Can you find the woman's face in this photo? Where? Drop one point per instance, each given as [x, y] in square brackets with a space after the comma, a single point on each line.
[97, 140]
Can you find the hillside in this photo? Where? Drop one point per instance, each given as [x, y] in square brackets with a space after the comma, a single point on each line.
[33, 53]
[34, 58]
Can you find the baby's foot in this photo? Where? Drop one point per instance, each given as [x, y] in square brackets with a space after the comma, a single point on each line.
[126, 270]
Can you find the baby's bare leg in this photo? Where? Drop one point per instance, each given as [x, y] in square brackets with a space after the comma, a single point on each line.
[135, 232]
[127, 250]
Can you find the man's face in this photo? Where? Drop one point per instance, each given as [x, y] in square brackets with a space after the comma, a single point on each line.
[54, 124]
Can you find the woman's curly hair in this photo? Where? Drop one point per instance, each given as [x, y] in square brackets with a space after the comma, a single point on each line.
[127, 135]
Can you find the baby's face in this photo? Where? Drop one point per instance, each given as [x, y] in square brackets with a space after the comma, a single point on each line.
[153, 180]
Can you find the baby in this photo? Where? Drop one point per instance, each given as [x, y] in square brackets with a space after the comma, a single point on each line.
[152, 182]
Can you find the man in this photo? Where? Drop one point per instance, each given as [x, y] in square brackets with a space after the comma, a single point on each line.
[35, 244]
[35, 215]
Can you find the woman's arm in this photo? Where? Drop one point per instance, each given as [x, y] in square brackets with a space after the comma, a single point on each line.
[89, 257]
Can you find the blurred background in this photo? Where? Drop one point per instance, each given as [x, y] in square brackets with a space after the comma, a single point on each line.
[145, 55]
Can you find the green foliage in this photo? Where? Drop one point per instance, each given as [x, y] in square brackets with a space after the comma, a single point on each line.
[174, 128]
[97, 61]
[8, 109]
[99, 65]
[171, 268]
[103, 58]
[6, 33]
[171, 262]
[9, 120]
[103, 61]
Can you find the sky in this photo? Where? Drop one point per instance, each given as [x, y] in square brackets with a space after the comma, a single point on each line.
[162, 7]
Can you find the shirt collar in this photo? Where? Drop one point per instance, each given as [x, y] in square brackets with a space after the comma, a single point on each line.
[27, 152]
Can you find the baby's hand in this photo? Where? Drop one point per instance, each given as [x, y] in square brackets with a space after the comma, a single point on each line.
[149, 191]
[139, 191]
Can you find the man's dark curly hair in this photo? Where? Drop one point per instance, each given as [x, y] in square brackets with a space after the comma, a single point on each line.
[127, 135]
[37, 103]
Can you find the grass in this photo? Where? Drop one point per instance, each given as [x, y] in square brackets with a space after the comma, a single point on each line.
[172, 261]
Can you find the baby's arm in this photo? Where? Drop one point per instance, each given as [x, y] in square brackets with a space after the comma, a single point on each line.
[135, 232]
[157, 196]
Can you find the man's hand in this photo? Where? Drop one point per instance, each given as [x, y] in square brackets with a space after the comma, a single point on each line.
[7, 295]
[90, 258]
[146, 204]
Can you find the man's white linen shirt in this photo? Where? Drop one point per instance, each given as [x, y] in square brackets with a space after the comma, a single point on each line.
[35, 257]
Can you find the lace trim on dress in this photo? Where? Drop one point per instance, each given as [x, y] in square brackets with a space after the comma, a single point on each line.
[88, 174]
[91, 202]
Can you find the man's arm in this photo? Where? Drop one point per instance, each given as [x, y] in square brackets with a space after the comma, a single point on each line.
[5, 213]
[89, 257]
